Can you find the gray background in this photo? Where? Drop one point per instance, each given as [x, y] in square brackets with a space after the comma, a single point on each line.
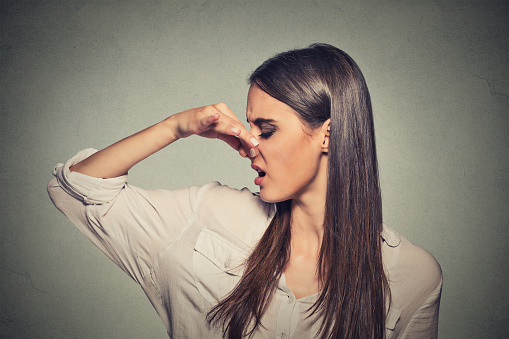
[77, 74]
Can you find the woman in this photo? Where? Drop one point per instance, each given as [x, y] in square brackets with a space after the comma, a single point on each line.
[308, 256]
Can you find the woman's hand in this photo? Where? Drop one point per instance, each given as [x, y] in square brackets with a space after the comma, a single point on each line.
[215, 121]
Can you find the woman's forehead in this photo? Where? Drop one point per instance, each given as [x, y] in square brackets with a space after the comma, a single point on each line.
[262, 106]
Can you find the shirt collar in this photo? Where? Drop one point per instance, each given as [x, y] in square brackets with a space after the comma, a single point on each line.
[390, 236]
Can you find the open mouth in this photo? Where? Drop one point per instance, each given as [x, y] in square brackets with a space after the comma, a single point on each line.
[261, 175]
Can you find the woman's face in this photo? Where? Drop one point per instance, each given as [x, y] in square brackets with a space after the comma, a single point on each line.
[292, 159]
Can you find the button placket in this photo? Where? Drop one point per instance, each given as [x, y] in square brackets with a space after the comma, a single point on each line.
[288, 316]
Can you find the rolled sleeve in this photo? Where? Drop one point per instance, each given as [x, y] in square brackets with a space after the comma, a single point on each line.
[129, 224]
[90, 190]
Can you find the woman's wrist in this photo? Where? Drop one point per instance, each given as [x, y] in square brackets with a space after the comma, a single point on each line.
[171, 128]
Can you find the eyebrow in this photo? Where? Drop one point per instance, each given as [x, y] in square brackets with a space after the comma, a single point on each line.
[260, 121]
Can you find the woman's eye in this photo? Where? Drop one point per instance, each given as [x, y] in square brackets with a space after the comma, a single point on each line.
[266, 135]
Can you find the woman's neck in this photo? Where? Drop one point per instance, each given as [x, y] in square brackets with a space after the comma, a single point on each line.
[307, 221]
[308, 208]
[301, 270]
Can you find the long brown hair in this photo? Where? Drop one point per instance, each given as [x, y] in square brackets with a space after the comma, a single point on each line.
[318, 83]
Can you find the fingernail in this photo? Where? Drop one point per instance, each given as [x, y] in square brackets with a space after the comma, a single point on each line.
[252, 153]
[254, 142]
[235, 130]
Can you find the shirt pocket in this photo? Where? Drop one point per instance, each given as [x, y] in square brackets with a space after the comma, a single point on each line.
[217, 265]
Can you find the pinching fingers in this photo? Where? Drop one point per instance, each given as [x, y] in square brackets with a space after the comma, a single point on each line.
[249, 143]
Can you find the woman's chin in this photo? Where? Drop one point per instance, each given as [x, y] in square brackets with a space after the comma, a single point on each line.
[271, 197]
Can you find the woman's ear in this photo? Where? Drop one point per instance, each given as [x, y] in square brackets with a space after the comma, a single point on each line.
[325, 136]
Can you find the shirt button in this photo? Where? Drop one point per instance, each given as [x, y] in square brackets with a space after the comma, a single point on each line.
[227, 262]
[291, 299]
[283, 336]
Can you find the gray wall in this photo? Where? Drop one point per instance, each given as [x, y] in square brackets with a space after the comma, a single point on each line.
[77, 74]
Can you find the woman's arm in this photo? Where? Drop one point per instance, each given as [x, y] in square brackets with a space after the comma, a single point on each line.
[213, 121]
[424, 322]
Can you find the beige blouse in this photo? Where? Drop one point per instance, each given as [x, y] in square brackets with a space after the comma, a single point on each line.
[185, 249]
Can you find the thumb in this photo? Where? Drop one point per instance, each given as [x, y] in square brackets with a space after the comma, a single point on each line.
[204, 123]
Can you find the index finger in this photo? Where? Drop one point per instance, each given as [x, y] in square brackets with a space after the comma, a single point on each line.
[223, 108]
[248, 140]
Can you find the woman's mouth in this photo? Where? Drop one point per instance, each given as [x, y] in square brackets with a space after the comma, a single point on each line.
[258, 180]
[261, 175]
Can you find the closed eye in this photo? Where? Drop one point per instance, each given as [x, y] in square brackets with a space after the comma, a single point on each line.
[266, 135]
[267, 127]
